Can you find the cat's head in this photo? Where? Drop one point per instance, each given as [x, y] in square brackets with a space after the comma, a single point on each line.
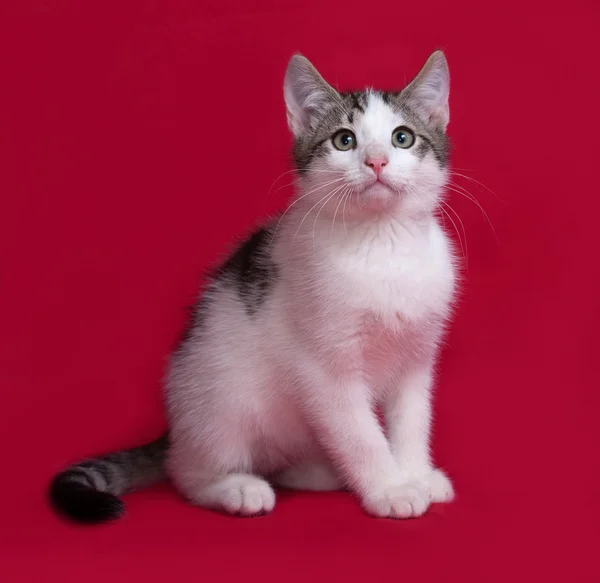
[374, 151]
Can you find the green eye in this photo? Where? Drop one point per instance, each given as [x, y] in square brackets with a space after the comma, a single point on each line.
[402, 137]
[344, 140]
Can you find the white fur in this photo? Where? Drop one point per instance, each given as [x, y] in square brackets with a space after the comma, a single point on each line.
[354, 321]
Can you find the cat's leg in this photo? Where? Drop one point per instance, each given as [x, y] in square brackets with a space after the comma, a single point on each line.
[242, 494]
[408, 420]
[310, 475]
[218, 476]
[342, 418]
[238, 493]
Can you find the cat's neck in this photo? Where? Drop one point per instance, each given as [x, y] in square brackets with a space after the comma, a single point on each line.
[305, 230]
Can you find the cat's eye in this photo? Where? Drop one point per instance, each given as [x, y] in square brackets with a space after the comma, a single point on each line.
[344, 140]
[402, 137]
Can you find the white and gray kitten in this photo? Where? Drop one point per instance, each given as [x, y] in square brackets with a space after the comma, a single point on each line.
[330, 312]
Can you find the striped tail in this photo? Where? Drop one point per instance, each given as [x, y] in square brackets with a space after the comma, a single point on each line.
[88, 491]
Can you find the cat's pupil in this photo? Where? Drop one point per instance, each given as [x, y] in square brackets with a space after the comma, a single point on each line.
[346, 139]
[402, 138]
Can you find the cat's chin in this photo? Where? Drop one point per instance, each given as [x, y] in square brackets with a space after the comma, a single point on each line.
[379, 197]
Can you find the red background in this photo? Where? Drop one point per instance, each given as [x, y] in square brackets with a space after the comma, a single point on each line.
[139, 138]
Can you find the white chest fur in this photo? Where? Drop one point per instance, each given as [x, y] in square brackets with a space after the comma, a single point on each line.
[372, 299]
[394, 273]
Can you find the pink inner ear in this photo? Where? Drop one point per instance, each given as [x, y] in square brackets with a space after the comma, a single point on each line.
[430, 89]
[305, 92]
[433, 105]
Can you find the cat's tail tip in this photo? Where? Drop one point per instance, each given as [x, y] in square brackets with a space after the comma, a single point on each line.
[88, 492]
[81, 502]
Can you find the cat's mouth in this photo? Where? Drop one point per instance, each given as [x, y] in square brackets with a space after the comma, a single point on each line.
[380, 187]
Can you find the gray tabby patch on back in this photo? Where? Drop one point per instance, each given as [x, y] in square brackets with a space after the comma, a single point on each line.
[336, 114]
[251, 270]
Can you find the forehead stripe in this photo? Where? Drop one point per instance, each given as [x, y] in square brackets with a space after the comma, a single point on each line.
[356, 104]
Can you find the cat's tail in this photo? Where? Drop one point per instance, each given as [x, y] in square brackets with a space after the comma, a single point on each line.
[88, 491]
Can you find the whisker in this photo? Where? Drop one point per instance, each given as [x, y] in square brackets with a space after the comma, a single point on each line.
[294, 170]
[350, 192]
[463, 192]
[466, 252]
[323, 184]
[278, 178]
[298, 200]
[414, 193]
[457, 232]
[308, 213]
[463, 248]
[341, 197]
[475, 182]
[459, 189]
[319, 212]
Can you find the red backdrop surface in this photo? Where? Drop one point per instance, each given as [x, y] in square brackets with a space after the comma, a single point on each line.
[139, 138]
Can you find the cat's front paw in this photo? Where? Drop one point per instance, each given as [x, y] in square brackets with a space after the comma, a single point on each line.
[438, 485]
[408, 500]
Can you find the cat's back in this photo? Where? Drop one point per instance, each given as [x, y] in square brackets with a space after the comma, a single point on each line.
[225, 341]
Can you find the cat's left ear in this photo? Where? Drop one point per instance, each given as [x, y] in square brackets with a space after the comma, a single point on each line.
[429, 91]
[306, 94]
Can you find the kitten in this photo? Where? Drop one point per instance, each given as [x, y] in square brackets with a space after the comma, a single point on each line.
[331, 311]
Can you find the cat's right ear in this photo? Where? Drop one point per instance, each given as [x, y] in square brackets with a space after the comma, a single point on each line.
[428, 93]
[306, 93]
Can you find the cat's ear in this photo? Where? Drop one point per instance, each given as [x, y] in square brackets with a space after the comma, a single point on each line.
[429, 91]
[306, 93]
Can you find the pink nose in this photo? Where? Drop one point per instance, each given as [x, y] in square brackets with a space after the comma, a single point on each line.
[376, 163]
